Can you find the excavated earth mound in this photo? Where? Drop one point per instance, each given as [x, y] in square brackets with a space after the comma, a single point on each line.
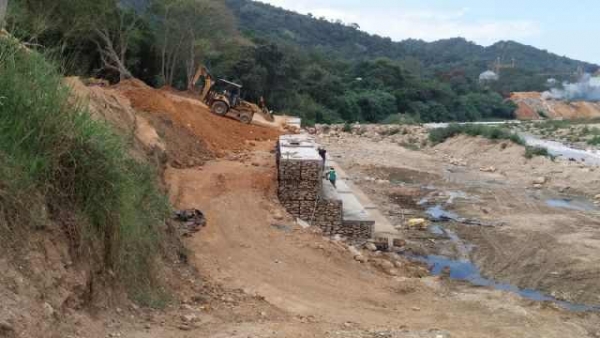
[220, 134]
[148, 134]
[530, 104]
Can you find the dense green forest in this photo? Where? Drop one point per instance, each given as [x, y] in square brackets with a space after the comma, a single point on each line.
[321, 70]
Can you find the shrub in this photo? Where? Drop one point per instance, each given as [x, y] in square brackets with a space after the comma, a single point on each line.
[531, 152]
[347, 127]
[595, 141]
[440, 135]
[53, 149]
[542, 114]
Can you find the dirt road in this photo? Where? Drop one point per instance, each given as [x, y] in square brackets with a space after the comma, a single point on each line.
[302, 285]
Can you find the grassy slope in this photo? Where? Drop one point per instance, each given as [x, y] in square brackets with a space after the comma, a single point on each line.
[53, 154]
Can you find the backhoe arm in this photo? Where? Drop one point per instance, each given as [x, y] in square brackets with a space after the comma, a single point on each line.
[208, 81]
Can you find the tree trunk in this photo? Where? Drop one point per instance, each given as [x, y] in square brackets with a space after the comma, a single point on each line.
[191, 64]
[164, 46]
[3, 7]
[111, 59]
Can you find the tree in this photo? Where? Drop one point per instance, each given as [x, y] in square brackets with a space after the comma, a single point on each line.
[113, 35]
[186, 30]
[3, 7]
[112, 26]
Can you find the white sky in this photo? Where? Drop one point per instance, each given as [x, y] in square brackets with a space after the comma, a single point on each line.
[564, 28]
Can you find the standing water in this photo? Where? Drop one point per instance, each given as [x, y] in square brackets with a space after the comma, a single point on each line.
[464, 270]
[560, 150]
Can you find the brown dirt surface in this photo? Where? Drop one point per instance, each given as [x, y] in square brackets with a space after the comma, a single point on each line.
[525, 112]
[313, 285]
[540, 247]
[184, 149]
[109, 106]
[220, 134]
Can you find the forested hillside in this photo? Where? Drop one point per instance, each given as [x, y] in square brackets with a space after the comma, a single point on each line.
[348, 41]
[323, 71]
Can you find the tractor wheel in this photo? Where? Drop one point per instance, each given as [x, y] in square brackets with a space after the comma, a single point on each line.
[247, 119]
[220, 108]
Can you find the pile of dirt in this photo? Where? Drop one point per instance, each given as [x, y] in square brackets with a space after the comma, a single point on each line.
[184, 149]
[531, 104]
[150, 135]
[221, 135]
[109, 106]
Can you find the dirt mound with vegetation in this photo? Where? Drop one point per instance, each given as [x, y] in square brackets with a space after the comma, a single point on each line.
[221, 135]
[532, 106]
[149, 135]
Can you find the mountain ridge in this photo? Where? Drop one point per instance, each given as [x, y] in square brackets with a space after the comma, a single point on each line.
[345, 39]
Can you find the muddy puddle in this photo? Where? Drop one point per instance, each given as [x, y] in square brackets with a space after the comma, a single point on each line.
[465, 270]
[438, 213]
[571, 204]
[566, 202]
[462, 268]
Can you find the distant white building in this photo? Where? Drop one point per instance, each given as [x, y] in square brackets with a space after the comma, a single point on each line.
[488, 76]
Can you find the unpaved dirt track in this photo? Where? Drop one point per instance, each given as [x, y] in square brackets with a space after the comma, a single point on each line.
[316, 287]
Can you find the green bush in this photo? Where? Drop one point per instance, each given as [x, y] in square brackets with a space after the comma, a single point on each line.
[52, 148]
[531, 152]
[595, 141]
[440, 135]
[347, 127]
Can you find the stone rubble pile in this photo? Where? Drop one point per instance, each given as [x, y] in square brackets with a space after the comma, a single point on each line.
[405, 135]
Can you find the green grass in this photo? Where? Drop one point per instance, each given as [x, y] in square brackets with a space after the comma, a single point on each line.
[54, 154]
[440, 135]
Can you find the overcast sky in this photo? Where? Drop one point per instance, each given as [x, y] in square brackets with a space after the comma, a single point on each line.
[564, 27]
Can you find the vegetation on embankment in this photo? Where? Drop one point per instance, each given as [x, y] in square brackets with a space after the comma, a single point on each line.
[440, 135]
[56, 158]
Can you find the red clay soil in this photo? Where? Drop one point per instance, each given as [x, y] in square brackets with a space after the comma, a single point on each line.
[220, 134]
[524, 112]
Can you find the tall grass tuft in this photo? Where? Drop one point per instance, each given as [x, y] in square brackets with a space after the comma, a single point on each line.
[51, 148]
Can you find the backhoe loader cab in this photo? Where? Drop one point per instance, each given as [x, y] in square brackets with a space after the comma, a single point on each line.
[226, 91]
[224, 98]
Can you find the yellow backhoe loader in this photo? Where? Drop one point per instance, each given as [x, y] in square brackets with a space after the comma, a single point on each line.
[224, 98]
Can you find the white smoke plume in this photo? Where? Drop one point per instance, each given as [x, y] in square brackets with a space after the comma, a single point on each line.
[587, 89]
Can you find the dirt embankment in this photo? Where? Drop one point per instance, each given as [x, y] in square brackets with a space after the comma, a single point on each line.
[531, 104]
[217, 134]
